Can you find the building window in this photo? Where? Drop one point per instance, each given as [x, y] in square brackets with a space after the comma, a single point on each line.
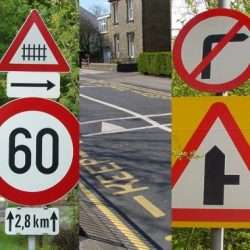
[115, 8]
[130, 10]
[131, 45]
[103, 27]
[117, 46]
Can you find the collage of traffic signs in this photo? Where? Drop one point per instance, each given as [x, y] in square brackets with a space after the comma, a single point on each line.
[124, 125]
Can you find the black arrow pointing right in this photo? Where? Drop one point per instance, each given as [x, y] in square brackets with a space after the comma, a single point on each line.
[49, 85]
[10, 218]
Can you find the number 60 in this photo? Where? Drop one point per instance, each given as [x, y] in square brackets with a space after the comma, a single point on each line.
[13, 149]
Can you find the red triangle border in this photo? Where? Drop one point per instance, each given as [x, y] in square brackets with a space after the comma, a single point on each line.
[34, 17]
[217, 110]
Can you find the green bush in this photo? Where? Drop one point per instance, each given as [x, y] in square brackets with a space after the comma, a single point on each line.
[180, 88]
[155, 63]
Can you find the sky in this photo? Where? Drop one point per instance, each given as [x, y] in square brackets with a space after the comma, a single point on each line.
[87, 4]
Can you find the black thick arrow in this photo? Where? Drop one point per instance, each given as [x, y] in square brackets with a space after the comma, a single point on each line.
[215, 178]
[54, 218]
[49, 85]
[208, 44]
[10, 218]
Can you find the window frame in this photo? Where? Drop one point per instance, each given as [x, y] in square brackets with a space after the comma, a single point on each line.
[130, 9]
[115, 12]
[103, 28]
[131, 45]
[117, 45]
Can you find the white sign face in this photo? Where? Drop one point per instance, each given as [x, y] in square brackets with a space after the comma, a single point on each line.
[33, 84]
[34, 49]
[39, 151]
[36, 147]
[201, 41]
[206, 170]
[211, 52]
[32, 221]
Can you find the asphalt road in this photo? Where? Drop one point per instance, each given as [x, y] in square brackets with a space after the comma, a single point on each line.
[126, 134]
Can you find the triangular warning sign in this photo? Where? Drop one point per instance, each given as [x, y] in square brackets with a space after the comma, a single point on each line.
[34, 49]
[209, 185]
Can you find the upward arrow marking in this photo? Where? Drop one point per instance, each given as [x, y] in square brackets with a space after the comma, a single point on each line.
[10, 218]
[54, 218]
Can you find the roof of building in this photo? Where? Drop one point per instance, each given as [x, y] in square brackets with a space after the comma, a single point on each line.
[89, 16]
[103, 17]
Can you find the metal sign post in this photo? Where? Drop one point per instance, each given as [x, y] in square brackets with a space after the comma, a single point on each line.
[217, 234]
[33, 62]
[224, 4]
[32, 221]
[32, 242]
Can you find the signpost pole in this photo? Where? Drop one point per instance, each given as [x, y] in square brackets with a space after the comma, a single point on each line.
[217, 234]
[32, 242]
[217, 240]
[224, 4]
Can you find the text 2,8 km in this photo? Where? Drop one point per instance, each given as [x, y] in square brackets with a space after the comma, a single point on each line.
[14, 149]
[31, 221]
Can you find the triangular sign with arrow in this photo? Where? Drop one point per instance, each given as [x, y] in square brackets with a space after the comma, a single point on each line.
[211, 184]
[34, 49]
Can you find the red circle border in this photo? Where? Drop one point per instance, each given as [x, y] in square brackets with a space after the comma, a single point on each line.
[72, 176]
[177, 59]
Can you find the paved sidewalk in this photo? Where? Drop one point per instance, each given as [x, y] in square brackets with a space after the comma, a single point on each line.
[133, 78]
[90, 244]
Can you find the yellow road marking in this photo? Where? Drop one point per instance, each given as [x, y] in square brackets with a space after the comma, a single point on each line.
[138, 88]
[149, 206]
[168, 237]
[124, 87]
[130, 235]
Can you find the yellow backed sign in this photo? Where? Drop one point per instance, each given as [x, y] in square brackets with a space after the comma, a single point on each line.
[211, 162]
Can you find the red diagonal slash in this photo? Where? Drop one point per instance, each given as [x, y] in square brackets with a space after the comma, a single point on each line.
[203, 64]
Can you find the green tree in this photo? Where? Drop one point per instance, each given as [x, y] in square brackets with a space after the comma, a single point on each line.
[89, 35]
[193, 7]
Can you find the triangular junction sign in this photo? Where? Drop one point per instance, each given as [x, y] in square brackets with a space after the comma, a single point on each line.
[210, 186]
[34, 49]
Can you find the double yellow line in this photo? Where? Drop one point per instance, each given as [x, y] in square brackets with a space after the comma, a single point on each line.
[130, 235]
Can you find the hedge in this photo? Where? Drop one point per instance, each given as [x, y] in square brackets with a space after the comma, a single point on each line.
[155, 63]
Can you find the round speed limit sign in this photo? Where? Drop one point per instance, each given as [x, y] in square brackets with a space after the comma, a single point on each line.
[39, 148]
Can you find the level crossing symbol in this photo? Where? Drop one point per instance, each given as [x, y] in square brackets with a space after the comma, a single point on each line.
[34, 53]
[33, 61]
[34, 49]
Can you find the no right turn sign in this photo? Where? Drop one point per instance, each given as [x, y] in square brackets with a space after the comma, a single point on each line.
[211, 52]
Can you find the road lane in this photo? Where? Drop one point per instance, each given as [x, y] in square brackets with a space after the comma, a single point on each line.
[126, 139]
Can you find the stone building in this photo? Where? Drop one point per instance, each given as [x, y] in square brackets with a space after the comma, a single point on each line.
[133, 27]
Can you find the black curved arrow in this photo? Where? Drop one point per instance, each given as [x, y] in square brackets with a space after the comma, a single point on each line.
[49, 85]
[207, 47]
